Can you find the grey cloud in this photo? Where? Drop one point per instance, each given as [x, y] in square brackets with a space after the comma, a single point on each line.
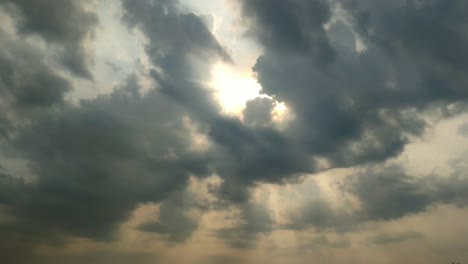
[64, 23]
[451, 188]
[358, 108]
[28, 85]
[26, 80]
[222, 259]
[9, 187]
[318, 213]
[463, 129]
[430, 34]
[255, 154]
[388, 193]
[292, 26]
[114, 67]
[384, 193]
[170, 29]
[104, 148]
[174, 221]
[254, 220]
[338, 116]
[323, 241]
[412, 25]
[96, 162]
[350, 108]
[384, 238]
[182, 48]
[258, 112]
[100, 256]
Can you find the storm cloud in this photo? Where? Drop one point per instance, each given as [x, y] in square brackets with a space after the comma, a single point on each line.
[154, 158]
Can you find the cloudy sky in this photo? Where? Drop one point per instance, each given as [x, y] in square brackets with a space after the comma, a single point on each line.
[233, 131]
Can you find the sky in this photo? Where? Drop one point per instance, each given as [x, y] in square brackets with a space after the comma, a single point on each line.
[233, 131]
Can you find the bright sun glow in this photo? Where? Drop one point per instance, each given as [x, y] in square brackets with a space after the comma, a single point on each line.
[233, 89]
[279, 112]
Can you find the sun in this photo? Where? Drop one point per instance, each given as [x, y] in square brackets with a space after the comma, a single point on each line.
[233, 88]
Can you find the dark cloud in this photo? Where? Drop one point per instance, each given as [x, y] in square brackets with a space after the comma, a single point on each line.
[171, 30]
[350, 108]
[9, 187]
[258, 112]
[388, 193]
[384, 193]
[249, 155]
[337, 115]
[292, 26]
[409, 27]
[107, 144]
[29, 87]
[97, 161]
[66, 24]
[182, 48]
[26, 81]
[354, 108]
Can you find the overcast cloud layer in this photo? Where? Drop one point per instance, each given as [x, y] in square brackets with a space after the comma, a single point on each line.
[367, 162]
